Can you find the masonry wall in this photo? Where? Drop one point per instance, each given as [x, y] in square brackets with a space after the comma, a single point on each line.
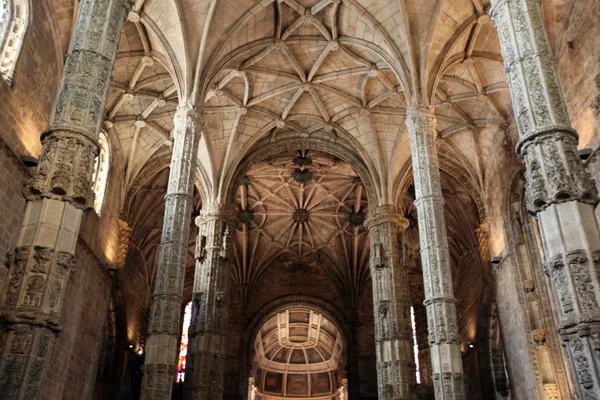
[574, 31]
[76, 351]
[24, 114]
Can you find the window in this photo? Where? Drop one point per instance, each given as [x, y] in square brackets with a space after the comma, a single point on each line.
[183, 346]
[101, 171]
[415, 345]
[14, 17]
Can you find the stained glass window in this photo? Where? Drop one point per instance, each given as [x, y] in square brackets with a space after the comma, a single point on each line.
[100, 177]
[183, 347]
[415, 345]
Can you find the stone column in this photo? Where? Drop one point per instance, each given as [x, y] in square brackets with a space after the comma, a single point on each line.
[162, 344]
[444, 341]
[559, 190]
[391, 300]
[210, 297]
[57, 194]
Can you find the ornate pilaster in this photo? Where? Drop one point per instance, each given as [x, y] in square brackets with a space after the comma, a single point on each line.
[210, 297]
[559, 190]
[57, 194]
[391, 299]
[444, 341]
[162, 344]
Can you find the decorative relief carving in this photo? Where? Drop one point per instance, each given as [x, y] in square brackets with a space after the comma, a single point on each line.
[39, 275]
[554, 172]
[439, 298]
[166, 305]
[580, 272]
[65, 170]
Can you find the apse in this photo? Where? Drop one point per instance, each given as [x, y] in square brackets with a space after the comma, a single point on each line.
[298, 354]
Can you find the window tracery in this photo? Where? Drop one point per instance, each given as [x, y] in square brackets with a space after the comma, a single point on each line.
[415, 345]
[14, 18]
[101, 168]
[183, 345]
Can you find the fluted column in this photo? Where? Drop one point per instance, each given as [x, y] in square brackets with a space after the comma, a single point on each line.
[57, 194]
[444, 341]
[559, 190]
[391, 300]
[162, 344]
[210, 297]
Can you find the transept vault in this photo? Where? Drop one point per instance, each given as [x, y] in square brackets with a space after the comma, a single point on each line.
[299, 199]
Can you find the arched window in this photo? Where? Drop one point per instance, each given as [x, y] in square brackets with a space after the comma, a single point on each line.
[101, 172]
[183, 345]
[14, 17]
[415, 345]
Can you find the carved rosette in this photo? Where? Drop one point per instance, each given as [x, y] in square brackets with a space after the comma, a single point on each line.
[437, 278]
[391, 299]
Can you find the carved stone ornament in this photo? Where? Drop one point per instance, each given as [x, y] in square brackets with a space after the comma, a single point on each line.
[167, 295]
[439, 297]
[555, 173]
[64, 170]
[208, 329]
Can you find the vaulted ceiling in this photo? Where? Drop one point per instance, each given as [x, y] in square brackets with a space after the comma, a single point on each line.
[298, 353]
[327, 71]
[302, 208]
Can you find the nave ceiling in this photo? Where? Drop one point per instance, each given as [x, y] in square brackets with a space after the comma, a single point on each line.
[346, 68]
[340, 71]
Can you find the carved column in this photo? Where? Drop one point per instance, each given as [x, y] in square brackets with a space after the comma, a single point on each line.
[162, 344]
[391, 299]
[444, 341]
[57, 194]
[210, 297]
[559, 190]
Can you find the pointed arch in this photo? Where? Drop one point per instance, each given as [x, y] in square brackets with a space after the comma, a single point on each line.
[14, 20]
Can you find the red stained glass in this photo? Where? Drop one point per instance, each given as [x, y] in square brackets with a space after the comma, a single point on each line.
[415, 345]
[183, 347]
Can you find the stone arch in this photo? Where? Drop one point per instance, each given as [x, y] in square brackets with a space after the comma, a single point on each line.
[333, 313]
[266, 148]
[458, 172]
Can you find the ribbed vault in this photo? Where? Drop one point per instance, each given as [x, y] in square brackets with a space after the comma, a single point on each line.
[302, 208]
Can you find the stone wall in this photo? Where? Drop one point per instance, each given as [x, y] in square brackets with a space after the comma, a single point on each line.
[575, 35]
[24, 113]
[76, 352]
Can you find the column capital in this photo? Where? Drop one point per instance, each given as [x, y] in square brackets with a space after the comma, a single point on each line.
[386, 213]
[417, 116]
[190, 117]
[216, 211]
